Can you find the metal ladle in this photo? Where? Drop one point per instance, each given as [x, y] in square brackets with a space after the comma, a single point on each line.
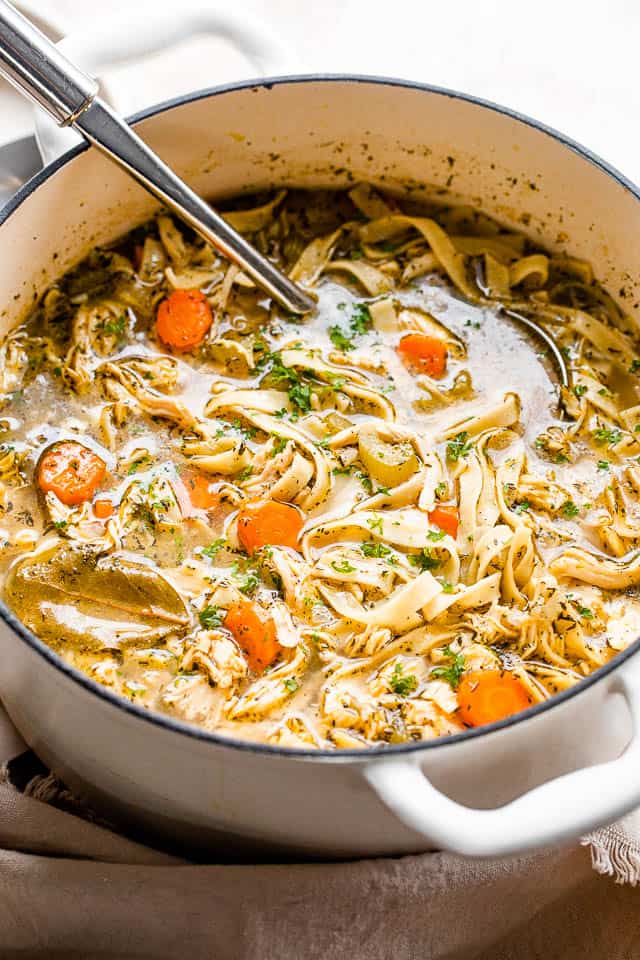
[38, 69]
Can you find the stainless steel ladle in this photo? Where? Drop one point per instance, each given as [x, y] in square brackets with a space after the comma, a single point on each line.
[38, 69]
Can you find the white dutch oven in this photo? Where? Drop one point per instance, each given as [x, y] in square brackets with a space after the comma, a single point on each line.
[541, 777]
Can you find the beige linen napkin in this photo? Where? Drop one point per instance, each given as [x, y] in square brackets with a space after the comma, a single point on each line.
[70, 887]
[615, 850]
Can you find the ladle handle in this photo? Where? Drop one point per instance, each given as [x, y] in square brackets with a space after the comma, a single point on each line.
[37, 68]
[34, 65]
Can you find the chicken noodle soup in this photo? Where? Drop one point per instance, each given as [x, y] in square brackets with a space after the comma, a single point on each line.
[373, 525]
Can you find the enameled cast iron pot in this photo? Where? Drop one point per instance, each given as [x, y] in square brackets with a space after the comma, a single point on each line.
[544, 776]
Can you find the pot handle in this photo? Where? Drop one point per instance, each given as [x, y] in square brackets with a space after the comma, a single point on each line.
[560, 809]
[149, 29]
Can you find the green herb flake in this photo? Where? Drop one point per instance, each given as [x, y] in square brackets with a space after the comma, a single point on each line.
[343, 566]
[603, 464]
[570, 509]
[214, 548]
[424, 560]
[436, 535]
[339, 340]
[291, 684]
[279, 443]
[453, 670]
[137, 464]
[458, 447]
[361, 319]
[580, 389]
[375, 523]
[603, 435]
[375, 550]
[400, 683]
[210, 617]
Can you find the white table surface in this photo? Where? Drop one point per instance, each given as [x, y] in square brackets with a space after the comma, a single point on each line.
[571, 64]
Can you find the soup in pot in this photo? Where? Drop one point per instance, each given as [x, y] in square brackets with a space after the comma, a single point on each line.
[384, 522]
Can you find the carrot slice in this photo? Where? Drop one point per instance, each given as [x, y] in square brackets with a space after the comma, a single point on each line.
[183, 319]
[446, 518]
[103, 509]
[199, 489]
[424, 353]
[270, 522]
[71, 471]
[254, 631]
[485, 696]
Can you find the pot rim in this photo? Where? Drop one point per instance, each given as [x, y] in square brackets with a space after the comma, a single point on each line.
[180, 727]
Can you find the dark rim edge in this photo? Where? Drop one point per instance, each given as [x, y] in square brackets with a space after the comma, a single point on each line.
[177, 726]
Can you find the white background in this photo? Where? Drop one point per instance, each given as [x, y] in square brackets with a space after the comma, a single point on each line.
[572, 64]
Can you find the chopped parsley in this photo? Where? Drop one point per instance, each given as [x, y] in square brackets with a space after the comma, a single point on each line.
[603, 435]
[115, 327]
[300, 396]
[453, 670]
[447, 586]
[570, 509]
[635, 366]
[214, 548]
[298, 391]
[375, 523]
[375, 550]
[343, 566]
[245, 579]
[458, 447]
[366, 482]
[291, 684]
[521, 507]
[580, 389]
[210, 617]
[279, 443]
[400, 683]
[436, 535]
[137, 464]
[361, 319]
[60, 524]
[424, 560]
[359, 323]
[339, 340]
[603, 464]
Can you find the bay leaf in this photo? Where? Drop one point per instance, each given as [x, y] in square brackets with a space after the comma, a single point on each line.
[74, 595]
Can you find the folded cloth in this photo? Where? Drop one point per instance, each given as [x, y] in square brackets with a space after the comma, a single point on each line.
[73, 887]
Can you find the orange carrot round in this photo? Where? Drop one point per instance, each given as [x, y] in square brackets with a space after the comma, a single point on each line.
[254, 631]
[446, 518]
[270, 522]
[71, 471]
[183, 320]
[485, 696]
[103, 509]
[423, 353]
[199, 489]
